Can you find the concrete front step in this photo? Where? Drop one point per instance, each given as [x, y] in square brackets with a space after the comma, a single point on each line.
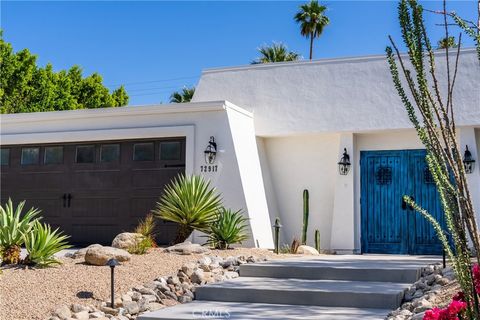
[328, 293]
[254, 311]
[316, 270]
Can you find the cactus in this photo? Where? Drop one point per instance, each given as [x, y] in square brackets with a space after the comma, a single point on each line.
[317, 240]
[305, 216]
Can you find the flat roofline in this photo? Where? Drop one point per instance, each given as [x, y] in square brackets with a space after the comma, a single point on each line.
[318, 61]
[155, 109]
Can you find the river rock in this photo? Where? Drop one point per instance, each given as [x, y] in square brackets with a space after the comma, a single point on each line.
[187, 248]
[307, 250]
[126, 240]
[99, 256]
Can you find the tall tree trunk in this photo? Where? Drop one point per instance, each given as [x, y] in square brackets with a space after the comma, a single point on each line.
[311, 45]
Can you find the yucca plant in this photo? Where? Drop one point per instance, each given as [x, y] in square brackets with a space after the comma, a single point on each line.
[41, 243]
[13, 225]
[190, 201]
[230, 227]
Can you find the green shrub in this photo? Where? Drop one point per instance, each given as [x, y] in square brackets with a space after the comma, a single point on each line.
[229, 228]
[42, 243]
[142, 246]
[191, 202]
[13, 225]
[285, 248]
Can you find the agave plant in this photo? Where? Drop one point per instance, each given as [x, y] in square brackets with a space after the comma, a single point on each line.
[229, 228]
[191, 202]
[13, 225]
[42, 243]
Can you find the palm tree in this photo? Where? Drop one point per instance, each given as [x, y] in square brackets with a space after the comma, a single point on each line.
[312, 20]
[277, 52]
[185, 95]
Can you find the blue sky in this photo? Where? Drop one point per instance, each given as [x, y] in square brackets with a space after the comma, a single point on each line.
[156, 47]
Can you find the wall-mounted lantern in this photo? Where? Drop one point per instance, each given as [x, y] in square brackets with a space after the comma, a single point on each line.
[277, 226]
[211, 151]
[344, 164]
[468, 161]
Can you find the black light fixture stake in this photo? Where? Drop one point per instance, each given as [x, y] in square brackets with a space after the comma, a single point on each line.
[112, 263]
[277, 227]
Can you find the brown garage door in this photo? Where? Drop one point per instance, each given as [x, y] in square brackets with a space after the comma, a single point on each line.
[93, 190]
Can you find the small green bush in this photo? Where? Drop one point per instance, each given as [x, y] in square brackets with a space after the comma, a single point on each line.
[41, 243]
[13, 225]
[146, 228]
[142, 246]
[229, 228]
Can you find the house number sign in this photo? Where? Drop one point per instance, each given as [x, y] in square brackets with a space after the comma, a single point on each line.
[209, 168]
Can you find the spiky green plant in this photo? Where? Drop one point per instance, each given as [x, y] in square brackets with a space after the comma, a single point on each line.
[146, 227]
[432, 115]
[42, 243]
[317, 240]
[306, 212]
[191, 202]
[13, 224]
[230, 227]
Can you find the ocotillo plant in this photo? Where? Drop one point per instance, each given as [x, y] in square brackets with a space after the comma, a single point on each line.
[305, 216]
[317, 240]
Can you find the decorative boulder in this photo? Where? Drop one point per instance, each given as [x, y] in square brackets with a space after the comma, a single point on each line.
[126, 240]
[307, 250]
[81, 253]
[187, 248]
[99, 255]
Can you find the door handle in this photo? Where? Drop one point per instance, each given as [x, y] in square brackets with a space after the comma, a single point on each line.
[64, 197]
[69, 198]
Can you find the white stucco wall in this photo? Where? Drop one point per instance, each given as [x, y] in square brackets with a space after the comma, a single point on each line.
[196, 121]
[298, 163]
[331, 95]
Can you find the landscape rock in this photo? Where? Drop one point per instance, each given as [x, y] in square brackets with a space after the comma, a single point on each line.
[126, 240]
[187, 248]
[82, 315]
[81, 252]
[63, 313]
[152, 306]
[131, 307]
[307, 250]
[99, 255]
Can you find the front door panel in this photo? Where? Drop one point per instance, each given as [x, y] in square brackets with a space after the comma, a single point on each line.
[388, 225]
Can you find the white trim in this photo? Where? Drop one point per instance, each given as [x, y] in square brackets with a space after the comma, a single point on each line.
[187, 131]
[116, 112]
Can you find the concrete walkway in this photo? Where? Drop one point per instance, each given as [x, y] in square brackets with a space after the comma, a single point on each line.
[342, 287]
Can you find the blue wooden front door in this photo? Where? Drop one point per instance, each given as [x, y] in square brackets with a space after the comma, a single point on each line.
[388, 225]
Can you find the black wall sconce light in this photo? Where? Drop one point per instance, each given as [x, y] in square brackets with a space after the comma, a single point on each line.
[211, 151]
[344, 163]
[468, 161]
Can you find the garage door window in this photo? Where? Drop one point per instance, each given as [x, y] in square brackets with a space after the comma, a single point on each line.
[85, 154]
[4, 157]
[170, 150]
[109, 153]
[30, 156]
[143, 151]
[53, 155]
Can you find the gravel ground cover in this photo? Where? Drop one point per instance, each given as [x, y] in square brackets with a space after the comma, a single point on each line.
[34, 293]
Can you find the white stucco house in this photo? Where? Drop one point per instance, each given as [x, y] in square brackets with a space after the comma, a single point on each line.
[279, 129]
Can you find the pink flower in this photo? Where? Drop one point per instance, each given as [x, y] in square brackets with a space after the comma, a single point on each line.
[460, 296]
[476, 277]
[449, 313]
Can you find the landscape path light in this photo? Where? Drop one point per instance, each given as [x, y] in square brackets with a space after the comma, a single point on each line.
[112, 263]
[277, 227]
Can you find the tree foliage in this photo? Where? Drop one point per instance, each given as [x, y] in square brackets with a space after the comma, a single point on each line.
[27, 87]
[185, 95]
[445, 43]
[433, 115]
[312, 20]
[277, 52]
